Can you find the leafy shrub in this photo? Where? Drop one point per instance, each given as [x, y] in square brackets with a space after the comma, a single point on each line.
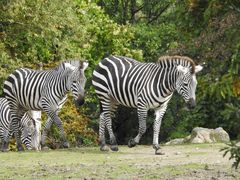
[234, 151]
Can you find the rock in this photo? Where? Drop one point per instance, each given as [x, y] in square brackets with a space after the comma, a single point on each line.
[203, 135]
[220, 135]
[177, 153]
[200, 135]
[175, 141]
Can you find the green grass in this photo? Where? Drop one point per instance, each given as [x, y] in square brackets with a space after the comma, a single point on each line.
[88, 162]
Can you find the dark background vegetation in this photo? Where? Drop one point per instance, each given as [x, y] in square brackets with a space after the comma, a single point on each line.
[208, 31]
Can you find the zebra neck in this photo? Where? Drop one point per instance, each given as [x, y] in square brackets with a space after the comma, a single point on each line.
[61, 84]
[167, 81]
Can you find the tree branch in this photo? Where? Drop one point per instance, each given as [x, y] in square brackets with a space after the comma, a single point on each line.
[159, 14]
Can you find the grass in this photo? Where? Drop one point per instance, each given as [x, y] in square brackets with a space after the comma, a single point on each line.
[135, 163]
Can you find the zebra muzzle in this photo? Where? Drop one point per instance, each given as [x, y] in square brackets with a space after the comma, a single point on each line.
[79, 102]
[191, 103]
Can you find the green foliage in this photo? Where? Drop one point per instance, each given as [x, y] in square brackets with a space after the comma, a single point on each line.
[234, 151]
[76, 126]
[41, 30]
[155, 40]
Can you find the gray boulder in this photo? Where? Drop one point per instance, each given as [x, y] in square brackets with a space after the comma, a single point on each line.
[176, 141]
[203, 135]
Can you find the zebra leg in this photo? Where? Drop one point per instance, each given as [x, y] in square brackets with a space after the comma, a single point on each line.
[58, 122]
[102, 140]
[17, 134]
[156, 129]
[45, 131]
[105, 120]
[142, 115]
[5, 139]
[17, 115]
[113, 142]
[4, 146]
[108, 108]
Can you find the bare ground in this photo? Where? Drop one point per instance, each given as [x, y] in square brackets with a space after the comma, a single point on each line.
[202, 161]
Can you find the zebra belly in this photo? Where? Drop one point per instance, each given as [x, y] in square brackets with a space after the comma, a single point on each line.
[161, 102]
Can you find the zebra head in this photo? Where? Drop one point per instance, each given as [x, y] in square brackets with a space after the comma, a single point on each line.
[28, 132]
[77, 80]
[186, 84]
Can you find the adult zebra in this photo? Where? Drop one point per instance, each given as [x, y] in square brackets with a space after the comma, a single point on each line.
[122, 80]
[42, 90]
[27, 126]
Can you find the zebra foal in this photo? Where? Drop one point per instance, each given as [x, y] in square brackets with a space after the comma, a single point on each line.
[43, 90]
[122, 80]
[27, 126]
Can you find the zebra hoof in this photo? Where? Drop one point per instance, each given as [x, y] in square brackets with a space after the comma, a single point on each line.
[45, 148]
[114, 148]
[20, 148]
[156, 147]
[159, 152]
[104, 148]
[66, 145]
[4, 147]
[131, 143]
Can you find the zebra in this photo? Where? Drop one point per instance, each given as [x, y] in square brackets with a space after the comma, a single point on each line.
[122, 80]
[42, 90]
[27, 126]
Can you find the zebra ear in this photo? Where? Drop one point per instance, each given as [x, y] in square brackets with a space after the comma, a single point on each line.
[84, 65]
[68, 65]
[198, 68]
[182, 69]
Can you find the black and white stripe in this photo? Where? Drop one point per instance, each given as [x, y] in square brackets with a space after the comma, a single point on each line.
[42, 90]
[121, 80]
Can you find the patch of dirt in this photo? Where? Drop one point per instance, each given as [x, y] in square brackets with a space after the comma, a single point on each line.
[203, 161]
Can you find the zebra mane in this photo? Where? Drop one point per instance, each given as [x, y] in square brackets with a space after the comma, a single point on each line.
[68, 63]
[166, 61]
